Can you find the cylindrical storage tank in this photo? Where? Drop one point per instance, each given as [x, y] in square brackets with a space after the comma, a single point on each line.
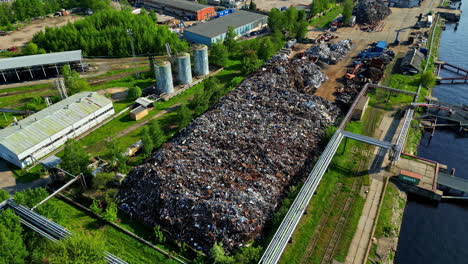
[184, 69]
[200, 54]
[164, 77]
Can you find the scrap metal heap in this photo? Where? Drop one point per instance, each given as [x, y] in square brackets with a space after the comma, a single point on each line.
[371, 12]
[330, 53]
[222, 177]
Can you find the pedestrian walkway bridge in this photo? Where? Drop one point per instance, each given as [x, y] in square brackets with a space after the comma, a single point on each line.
[453, 182]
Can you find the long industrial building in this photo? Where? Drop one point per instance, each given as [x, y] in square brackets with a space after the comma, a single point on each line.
[37, 135]
[215, 30]
[182, 8]
[40, 66]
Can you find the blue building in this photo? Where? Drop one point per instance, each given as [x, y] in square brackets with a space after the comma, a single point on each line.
[215, 30]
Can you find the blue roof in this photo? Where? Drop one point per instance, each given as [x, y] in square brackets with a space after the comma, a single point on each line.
[381, 45]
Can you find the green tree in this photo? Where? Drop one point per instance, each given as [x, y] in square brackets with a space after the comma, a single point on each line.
[266, 49]
[32, 49]
[31, 197]
[427, 79]
[156, 133]
[111, 212]
[73, 81]
[252, 5]
[78, 249]
[115, 155]
[147, 141]
[347, 11]
[134, 92]
[105, 34]
[74, 160]
[230, 39]
[203, 2]
[291, 17]
[214, 89]
[95, 207]
[276, 20]
[218, 256]
[101, 180]
[219, 54]
[301, 29]
[159, 235]
[250, 62]
[96, 5]
[153, 16]
[248, 255]
[3, 195]
[183, 116]
[199, 103]
[12, 249]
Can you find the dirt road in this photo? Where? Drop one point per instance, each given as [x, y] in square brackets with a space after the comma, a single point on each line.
[400, 20]
[23, 36]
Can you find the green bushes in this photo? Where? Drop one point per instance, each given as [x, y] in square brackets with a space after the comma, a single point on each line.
[78, 249]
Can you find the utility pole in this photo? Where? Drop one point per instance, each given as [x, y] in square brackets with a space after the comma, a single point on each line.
[130, 34]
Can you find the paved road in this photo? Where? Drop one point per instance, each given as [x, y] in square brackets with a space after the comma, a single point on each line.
[8, 181]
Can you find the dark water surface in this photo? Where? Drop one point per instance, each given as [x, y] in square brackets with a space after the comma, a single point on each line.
[432, 233]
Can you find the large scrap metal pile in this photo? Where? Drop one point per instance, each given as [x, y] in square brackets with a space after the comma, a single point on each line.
[330, 53]
[222, 177]
[371, 12]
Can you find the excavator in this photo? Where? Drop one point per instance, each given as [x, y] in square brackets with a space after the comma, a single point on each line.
[352, 75]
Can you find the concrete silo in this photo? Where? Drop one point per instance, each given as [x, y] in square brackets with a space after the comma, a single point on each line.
[184, 68]
[164, 77]
[200, 54]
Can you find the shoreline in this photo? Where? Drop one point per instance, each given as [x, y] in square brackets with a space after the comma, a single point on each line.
[384, 242]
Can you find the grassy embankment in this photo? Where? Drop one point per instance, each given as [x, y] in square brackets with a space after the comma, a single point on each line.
[340, 185]
[327, 17]
[388, 223]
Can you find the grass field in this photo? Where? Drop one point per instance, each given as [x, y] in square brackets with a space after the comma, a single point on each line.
[117, 243]
[344, 179]
[387, 224]
[322, 21]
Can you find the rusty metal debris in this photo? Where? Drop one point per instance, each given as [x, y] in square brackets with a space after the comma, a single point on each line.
[371, 11]
[330, 53]
[222, 177]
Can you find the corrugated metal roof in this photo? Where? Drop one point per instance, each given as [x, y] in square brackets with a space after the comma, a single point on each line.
[144, 101]
[46, 123]
[179, 4]
[219, 26]
[41, 59]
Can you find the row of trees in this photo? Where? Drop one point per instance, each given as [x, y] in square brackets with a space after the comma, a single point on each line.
[107, 33]
[23, 10]
[292, 23]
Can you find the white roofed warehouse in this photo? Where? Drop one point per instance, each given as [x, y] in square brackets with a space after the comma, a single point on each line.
[37, 135]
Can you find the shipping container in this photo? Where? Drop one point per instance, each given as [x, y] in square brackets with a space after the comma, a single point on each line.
[410, 177]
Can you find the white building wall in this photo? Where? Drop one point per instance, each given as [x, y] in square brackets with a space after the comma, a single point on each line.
[61, 137]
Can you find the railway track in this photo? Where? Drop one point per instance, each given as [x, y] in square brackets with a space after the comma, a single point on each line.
[320, 227]
[346, 209]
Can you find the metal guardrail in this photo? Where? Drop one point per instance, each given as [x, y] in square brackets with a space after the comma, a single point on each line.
[400, 143]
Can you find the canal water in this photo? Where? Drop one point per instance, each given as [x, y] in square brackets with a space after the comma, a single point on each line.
[432, 233]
